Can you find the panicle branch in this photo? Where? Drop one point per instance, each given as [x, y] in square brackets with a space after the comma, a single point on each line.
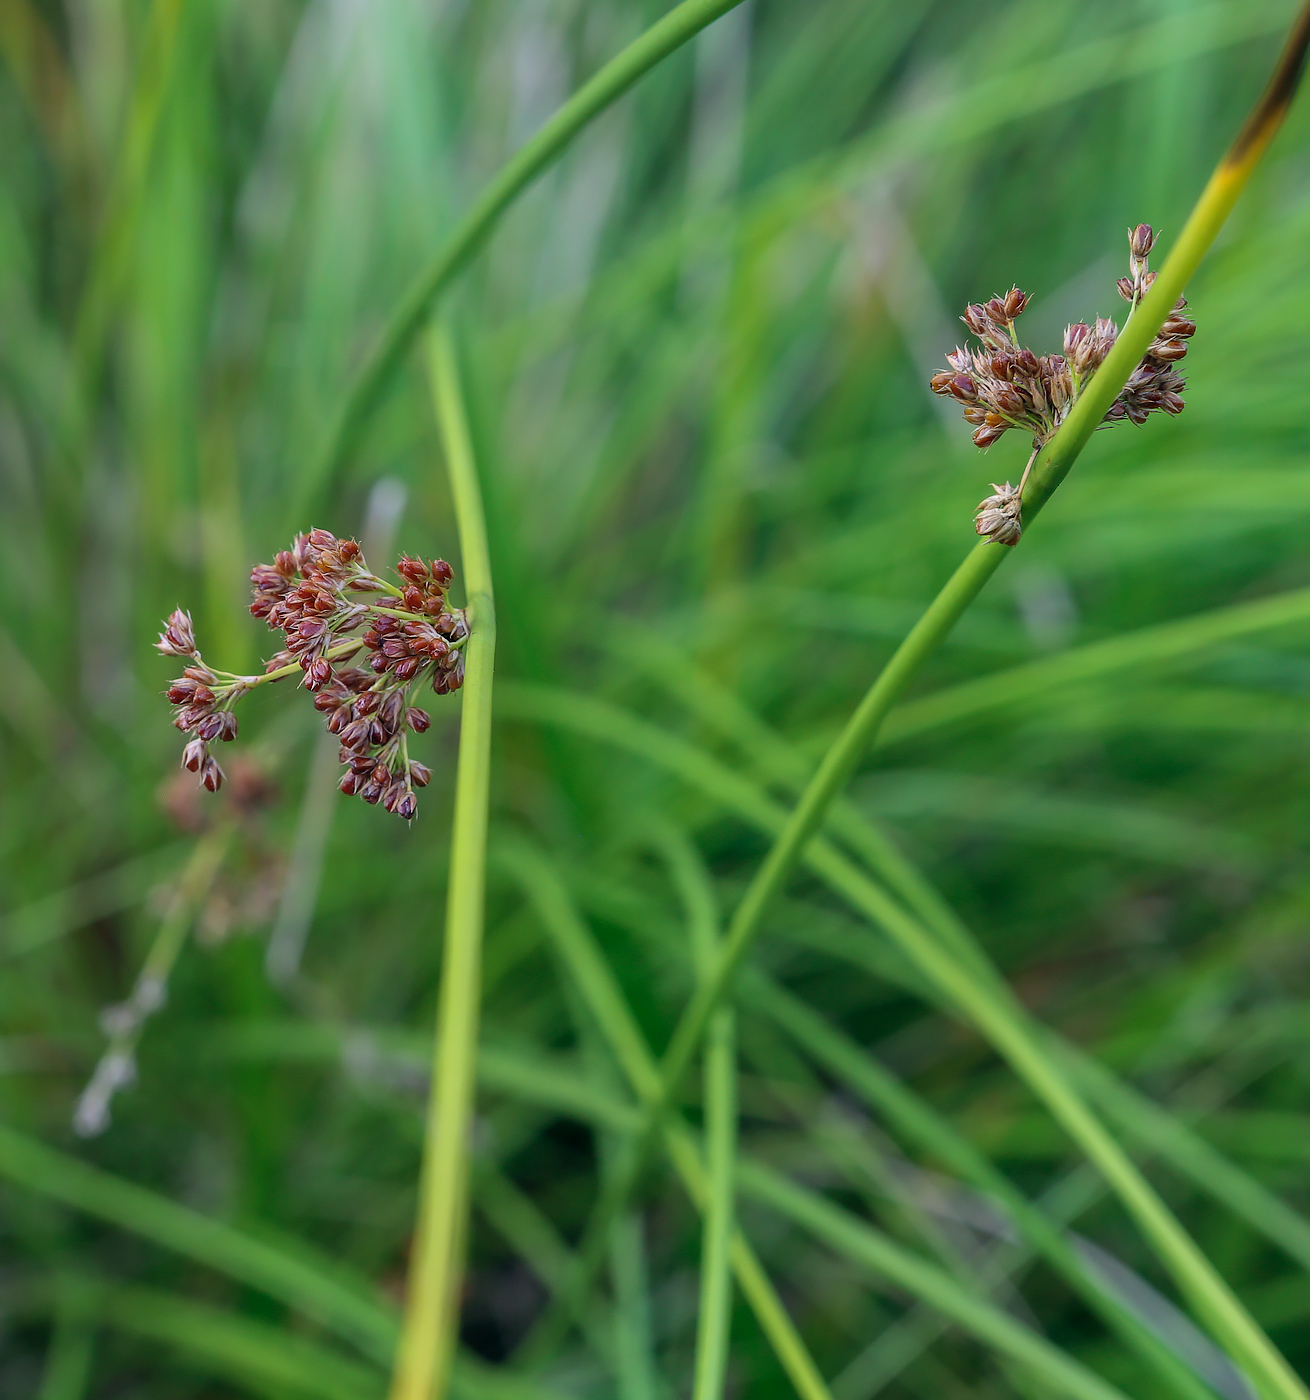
[311, 594]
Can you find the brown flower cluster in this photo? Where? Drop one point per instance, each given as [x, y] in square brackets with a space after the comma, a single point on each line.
[310, 593]
[1005, 385]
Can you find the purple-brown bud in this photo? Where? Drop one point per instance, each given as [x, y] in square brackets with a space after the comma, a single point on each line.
[1140, 241]
[178, 637]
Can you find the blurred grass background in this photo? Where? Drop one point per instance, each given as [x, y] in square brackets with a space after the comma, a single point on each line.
[719, 492]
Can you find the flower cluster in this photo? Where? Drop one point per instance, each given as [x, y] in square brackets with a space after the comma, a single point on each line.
[1004, 385]
[310, 593]
[204, 700]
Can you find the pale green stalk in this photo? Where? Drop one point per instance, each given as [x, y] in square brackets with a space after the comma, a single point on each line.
[430, 1326]
[663, 37]
[714, 1312]
[1192, 1271]
[1051, 467]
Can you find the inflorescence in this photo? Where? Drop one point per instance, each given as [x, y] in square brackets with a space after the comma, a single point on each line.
[310, 593]
[1004, 385]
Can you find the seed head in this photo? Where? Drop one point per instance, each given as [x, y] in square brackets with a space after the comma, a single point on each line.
[1005, 385]
[309, 594]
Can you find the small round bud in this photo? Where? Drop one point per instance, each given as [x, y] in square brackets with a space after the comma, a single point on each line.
[1140, 241]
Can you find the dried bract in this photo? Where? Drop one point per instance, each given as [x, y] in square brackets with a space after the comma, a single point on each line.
[999, 517]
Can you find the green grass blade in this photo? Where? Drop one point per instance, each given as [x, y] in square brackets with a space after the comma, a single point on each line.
[601, 993]
[715, 1304]
[986, 1002]
[664, 37]
[311, 1285]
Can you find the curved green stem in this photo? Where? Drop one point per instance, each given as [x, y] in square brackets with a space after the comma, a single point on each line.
[663, 37]
[428, 1335]
[1051, 467]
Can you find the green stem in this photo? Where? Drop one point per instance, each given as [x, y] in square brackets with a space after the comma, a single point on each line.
[836, 769]
[663, 37]
[428, 1335]
[714, 1312]
[1052, 465]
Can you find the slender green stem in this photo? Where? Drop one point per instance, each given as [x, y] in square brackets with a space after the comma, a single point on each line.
[715, 1304]
[1053, 463]
[663, 37]
[834, 772]
[1051, 467]
[428, 1334]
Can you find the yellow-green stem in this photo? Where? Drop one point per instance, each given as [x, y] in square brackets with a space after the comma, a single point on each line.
[1190, 1268]
[429, 1330]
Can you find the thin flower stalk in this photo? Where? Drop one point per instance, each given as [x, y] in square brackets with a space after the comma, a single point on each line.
[124, 1022]
[431, 1322]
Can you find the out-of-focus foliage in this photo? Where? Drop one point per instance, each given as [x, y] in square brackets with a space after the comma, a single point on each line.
[718, 487]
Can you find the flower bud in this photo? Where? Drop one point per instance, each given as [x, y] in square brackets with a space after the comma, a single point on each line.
[1015, 302]
[1169, 350]
[1140, 241]
[178, 637]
